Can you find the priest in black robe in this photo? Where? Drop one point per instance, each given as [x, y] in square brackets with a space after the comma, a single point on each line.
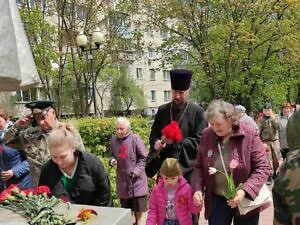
[191, 121]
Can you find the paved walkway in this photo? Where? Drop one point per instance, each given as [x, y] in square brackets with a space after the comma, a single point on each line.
[266, 217]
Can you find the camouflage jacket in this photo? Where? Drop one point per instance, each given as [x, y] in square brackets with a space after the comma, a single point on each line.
[34, 143]
[286, 191]
[269, 129]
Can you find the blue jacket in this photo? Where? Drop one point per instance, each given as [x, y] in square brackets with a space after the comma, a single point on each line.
[15, 159]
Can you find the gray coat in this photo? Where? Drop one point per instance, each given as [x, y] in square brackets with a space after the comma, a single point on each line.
[133, 163]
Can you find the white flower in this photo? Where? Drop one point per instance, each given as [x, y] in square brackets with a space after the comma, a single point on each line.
[212, 170]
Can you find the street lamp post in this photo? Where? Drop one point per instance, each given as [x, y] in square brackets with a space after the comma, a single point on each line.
[89, 47]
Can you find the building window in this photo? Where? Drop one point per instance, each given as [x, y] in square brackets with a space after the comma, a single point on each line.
[80, 12]
[153, 96]
[185, 56]
[167, 96]
[115, 4]
[166, 75]
[151, 53]
[139, 73]
[27, 95]
[152, 74]
[20, 2]
[164, 35]
[150, 34]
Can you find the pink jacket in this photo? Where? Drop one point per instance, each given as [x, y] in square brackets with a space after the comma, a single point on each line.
[184, 206]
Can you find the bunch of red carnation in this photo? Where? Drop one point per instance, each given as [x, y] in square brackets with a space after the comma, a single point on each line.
[172, 131]
[123, 150]
[34, 204]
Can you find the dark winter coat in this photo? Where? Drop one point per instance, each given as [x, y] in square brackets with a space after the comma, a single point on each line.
[132, 163]
[92, 186]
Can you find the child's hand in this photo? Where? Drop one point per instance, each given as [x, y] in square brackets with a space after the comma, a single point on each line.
[198, 198]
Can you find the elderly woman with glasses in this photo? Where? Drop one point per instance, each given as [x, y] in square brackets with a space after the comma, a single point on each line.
[226, 147]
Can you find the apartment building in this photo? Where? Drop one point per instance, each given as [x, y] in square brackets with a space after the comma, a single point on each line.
[144, 66]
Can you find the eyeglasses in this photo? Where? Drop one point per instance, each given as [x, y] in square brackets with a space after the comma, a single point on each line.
[42, 115]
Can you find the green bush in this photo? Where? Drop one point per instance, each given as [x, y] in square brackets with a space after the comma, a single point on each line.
[96, 134]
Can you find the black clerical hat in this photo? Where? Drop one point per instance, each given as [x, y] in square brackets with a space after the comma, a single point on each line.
[180, 79]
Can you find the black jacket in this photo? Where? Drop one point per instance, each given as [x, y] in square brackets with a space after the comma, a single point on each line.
[92, 186]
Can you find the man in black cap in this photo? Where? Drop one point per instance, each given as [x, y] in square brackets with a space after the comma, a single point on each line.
[33, 140]
[190, 118]
[269, 134]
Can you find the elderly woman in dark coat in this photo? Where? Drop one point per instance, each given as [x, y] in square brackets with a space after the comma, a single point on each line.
[129, 154]
[221, 144]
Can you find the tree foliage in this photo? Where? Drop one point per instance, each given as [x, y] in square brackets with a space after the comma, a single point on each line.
[67, 72]
[125, 93]
[242, 51]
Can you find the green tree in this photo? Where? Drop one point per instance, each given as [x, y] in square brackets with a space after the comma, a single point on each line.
[52, 27]
[243, 51]
[125, 93]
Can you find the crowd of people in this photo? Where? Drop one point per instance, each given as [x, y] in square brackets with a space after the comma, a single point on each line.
[262, 151]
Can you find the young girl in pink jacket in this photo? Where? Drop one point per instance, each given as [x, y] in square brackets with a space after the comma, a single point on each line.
[171, 200]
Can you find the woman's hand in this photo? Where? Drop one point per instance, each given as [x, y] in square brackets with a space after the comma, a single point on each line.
[240, 194]
[198, 198]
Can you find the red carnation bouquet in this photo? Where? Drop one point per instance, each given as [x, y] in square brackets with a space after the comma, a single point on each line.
[34, 204]
[172, 131]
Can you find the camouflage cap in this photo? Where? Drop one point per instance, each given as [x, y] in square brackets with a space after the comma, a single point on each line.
[293, 131]
[39, 106]
[170, 167]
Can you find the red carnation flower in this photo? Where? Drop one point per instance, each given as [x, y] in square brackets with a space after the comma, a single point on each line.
[29, 192]
[42, 190]
[172, 131]
[13, 187]
[5, 194]
[122, 154]
[85, 214]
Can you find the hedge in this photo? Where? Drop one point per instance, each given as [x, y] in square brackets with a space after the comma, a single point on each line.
[96, 133]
